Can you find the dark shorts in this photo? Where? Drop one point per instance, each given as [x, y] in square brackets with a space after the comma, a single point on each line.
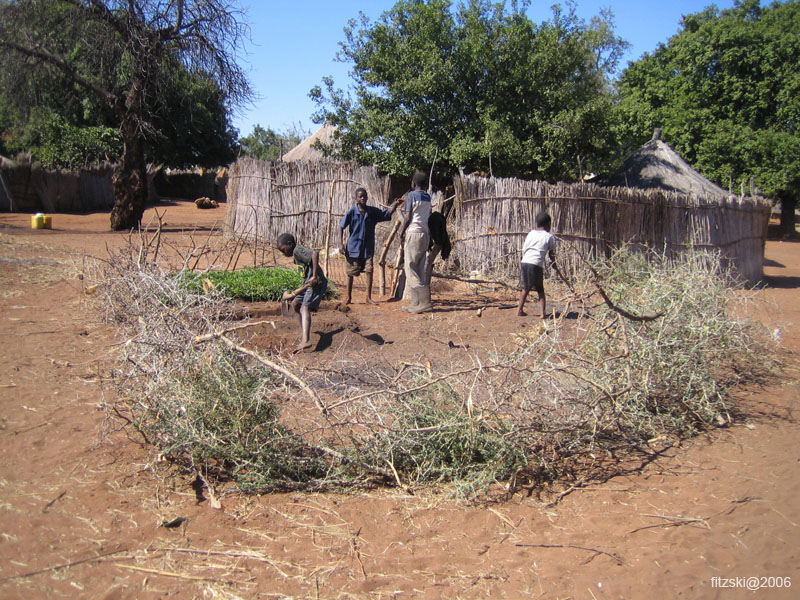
[356, 266]
[312, 296]
[532, 277]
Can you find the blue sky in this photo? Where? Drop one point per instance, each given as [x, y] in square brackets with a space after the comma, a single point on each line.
[294, 44]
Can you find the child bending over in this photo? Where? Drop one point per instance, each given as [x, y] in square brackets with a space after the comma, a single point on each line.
[307, 297]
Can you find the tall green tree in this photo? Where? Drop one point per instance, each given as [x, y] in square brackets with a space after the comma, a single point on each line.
[478, 86]
[64, 128]
[124, 53]
[726, 92]
[268, 144]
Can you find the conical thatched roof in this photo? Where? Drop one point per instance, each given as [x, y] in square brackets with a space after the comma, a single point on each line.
[656, 165]
[305, 150]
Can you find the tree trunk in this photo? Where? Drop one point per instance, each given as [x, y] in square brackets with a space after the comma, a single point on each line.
[129, 181]
[788, 206]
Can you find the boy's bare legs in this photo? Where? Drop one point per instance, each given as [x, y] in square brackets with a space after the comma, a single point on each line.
[305, 328]
[522, 298]
[543, 302]
[349, 290]
[349, 299]
[369, 289]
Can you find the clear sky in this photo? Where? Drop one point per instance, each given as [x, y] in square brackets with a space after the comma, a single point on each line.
[294, 44]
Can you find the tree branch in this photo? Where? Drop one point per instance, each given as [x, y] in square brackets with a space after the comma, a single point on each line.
[61, 64]
[283, 371]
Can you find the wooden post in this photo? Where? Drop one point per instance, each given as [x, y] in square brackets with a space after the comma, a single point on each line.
[328, 230]
[382, 259]
[398, 269]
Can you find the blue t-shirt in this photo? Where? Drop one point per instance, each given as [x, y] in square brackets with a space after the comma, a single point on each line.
[361, 243]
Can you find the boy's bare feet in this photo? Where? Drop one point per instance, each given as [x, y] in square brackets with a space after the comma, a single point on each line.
[522, 313]
[348, 300]
[302, 346]
[371, 301]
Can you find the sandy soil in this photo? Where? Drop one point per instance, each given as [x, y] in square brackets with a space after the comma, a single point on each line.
[82, 506]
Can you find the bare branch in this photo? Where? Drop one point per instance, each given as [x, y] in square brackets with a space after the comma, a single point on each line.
[60, 63]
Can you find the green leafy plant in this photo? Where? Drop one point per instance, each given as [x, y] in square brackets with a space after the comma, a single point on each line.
[264, 284]
[475, 86]
[724, 90]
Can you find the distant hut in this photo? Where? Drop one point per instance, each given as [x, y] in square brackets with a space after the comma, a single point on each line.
[684, 209]
[657, 166]
[306, 151]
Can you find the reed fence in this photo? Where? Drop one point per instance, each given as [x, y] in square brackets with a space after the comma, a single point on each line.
[492, 216]
[76, 191]
[307, 199]
[29, 188]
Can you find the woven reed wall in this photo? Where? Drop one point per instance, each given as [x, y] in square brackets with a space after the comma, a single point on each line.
[19, 189]
[492, 216]
[96, 189]
[33, 189]
[76, 191]
[266, 199]
[305, 198]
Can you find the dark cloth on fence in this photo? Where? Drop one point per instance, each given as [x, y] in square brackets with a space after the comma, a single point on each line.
[439, 236]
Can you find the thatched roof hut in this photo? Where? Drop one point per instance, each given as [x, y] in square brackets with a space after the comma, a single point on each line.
[306, 151]
[657, 166]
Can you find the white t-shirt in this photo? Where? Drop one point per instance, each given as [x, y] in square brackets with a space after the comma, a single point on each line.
[536, 246]
[418, 205]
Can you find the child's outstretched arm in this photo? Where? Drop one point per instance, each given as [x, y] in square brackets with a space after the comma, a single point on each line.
[395, 205]
[314, 266]
[557, 270]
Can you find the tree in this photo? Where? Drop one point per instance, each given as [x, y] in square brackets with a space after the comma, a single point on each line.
[479, 87]
[726, 92]
[125, 54]
[57, 144]
[43, 111]
[266, 144]
[192, 124]
[46, 114]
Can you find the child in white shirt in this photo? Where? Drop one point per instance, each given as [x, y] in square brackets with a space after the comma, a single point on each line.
[538, 244]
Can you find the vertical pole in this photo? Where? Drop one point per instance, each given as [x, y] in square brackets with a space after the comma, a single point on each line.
[328, 229]
[382, 259]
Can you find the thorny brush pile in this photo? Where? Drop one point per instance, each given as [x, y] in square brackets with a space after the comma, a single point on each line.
[655, 361]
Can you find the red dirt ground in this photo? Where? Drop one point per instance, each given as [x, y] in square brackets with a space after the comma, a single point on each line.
[81, 503]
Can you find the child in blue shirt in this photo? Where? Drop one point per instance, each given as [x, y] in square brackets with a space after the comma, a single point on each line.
[360, 249]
